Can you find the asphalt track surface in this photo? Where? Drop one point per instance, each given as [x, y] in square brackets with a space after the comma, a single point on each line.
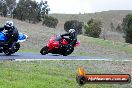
[37, 56]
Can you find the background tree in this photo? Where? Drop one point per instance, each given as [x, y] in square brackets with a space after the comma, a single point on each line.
[119, 28]
[32, 13]
[11, 4]
[73, 24]
[21, 10]
[3, 8]
[93, 28]
[44, 10]
[127, 28]
[30, 10]
[112, 26]
[50, 21]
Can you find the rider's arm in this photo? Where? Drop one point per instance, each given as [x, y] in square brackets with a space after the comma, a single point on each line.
[66, 34]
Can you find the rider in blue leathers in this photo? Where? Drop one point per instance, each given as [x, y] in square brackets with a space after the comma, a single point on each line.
[11, 33]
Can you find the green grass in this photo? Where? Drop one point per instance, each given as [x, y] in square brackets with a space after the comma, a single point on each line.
[55, 74]
[29, 50]
[103, 48]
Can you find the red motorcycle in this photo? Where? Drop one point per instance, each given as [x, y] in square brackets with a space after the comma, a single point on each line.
[58, 45]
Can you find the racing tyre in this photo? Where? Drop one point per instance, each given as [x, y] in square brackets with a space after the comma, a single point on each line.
[68, 51]
[16, 47]
[44, 50]
[7, 52]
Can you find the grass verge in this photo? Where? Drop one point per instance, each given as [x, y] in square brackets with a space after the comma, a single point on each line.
[57, 74]
[103, 48]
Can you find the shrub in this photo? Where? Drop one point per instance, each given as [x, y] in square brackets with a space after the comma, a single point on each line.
[73, 24]
[119, 28]
[127, 28]
[50, 21]
[93, 28]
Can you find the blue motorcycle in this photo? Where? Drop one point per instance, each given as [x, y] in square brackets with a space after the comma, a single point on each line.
[4, 46]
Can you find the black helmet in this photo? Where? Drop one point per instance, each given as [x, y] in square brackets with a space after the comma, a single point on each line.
[8, 25]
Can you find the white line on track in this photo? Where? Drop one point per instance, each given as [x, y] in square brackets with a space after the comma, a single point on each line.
[68, 59]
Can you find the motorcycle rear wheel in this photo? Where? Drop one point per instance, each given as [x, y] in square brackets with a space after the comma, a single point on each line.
[66, 53]
[44, 50]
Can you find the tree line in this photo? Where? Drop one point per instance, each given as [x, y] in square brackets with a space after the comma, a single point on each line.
[28, 10]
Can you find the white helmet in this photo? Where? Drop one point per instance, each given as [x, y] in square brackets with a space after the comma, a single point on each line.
[8, 24]
[71, 30]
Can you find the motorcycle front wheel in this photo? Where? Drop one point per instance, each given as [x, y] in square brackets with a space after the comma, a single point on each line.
[7, 52]
[15, 48]
[44, 50]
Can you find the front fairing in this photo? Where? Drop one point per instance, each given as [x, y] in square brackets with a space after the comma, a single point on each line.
[64, 42]
[53, 42]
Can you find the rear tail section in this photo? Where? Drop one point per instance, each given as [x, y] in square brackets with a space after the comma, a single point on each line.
[22, 37]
